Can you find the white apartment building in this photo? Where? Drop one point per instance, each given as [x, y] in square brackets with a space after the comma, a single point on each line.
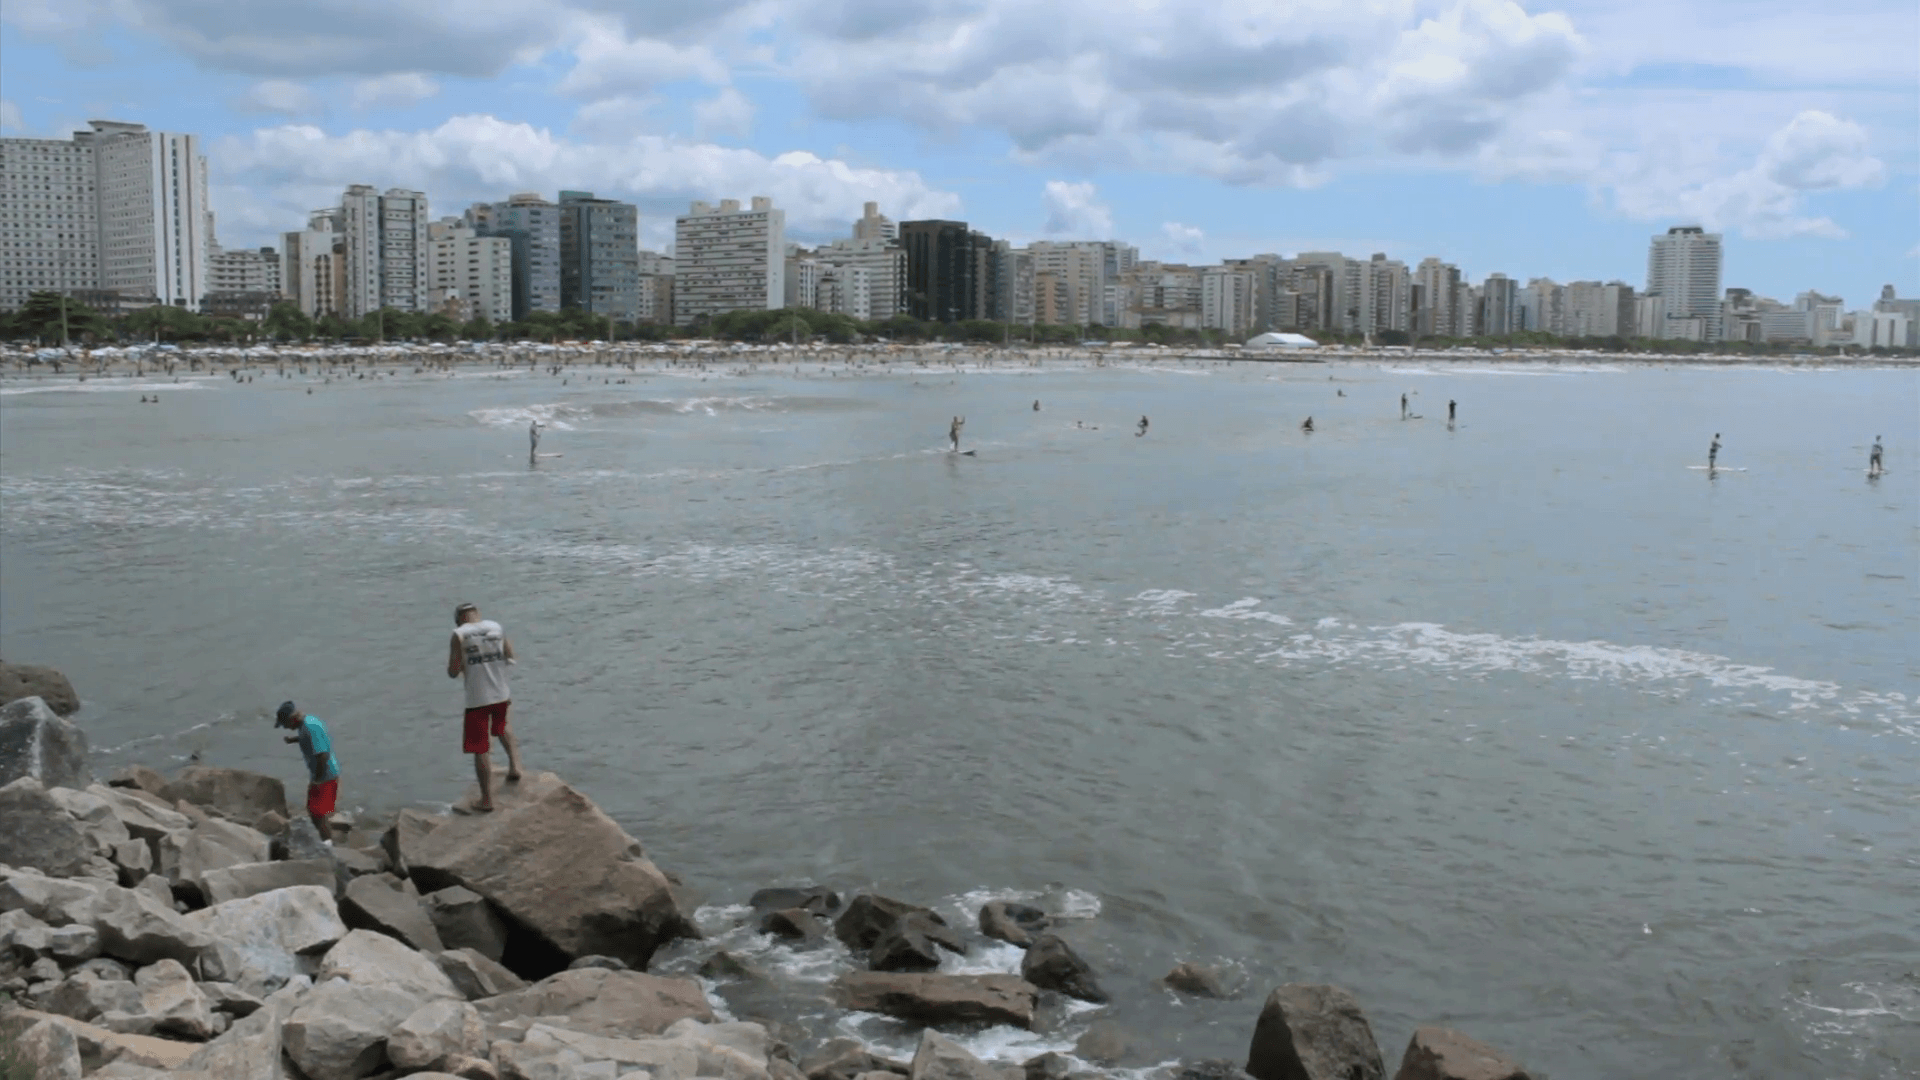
[1227, 300]
[1077, 274]
[1499, 307]
[845, 290]
[873, 225]
[386, 249]
[312, 262]
[803, 278]
[470, 276]
[656, 288]
[117, 208]
[1684, 267]
[1543, 307]
[883, 261]
[729, 259]
[1445, 309]
[246, 270]
[1013, 278]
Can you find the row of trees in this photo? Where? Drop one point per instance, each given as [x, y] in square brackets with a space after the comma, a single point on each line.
[50, 318]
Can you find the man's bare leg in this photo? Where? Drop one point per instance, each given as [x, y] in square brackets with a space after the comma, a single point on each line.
[322, 826]
[512, 746]
[483, 771]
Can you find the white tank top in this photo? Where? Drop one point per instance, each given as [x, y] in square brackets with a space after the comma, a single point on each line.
[485, 648]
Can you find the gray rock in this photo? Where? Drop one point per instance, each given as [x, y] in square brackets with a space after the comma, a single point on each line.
[34, 681]
[105, 969]
[1015, 924]
[941, 999]
[1436, 1053]
[95, 816]
[1313, 1032]
[465, 920]
[1051, 964]
[475, 976]
[250, 1048]
[135, 860]
[84, 997]
[369, 959]
[940, 1058]
[904, 946]
[1048, 1066]
[401, 840]
[139, 776]
[723, 965]
[273, 824]
[131, 924]
[251, 879]
[867, 917]
[434, 1034]
[39, 833]
[378, 902]
[143, 816]
[350, 863]
[36, 742]
[156, 887]
[185, 859]
[1197, 980]
[1213, 1069]
[234, 794]
[66, 944]
[339, 1031]
[230, 999]
[172, 1003]
[792, 924]
[48, 1050]
[270, 937]
[602, 1002]
[846, 1059]
[1103, 1043]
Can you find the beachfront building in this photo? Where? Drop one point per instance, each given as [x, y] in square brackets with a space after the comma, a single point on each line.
[873, 225]
[117, 213]
[532, 224]
[385, 240]
[1684, 267]
[470, 276]
[729, 259]
[244, 283]
[942, 270]
[1543, 307]
[1594, 309]
[600, 255]
[1499, 306]
[313, 265]
[1227, 300]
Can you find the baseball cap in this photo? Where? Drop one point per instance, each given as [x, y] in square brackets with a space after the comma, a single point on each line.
[287, 709]
[462, 609]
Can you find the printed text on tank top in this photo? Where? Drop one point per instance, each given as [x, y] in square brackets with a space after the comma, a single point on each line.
[483, 646]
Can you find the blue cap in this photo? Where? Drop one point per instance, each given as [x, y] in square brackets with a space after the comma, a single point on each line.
[287, 709]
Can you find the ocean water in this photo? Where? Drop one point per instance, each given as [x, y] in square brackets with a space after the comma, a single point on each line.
[1525, 726]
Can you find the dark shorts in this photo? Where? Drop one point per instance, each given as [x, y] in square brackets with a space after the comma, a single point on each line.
[481, 722]
[320, 797]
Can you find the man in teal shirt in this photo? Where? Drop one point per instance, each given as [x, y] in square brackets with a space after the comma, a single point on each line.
[323, 769]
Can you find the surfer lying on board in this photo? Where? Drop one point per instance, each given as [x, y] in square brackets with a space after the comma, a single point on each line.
[953, 432]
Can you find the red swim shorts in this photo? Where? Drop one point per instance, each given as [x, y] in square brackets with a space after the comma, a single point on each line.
[482, 721]
[320, 797]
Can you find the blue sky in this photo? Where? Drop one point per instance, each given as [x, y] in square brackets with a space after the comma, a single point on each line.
[1527, 139]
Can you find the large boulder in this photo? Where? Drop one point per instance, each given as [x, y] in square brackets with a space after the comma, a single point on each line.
[33, 681]
[144, 777]
[96, 816]
[689, 1049]
[1437, 1053]
[270, 937]
[381, 903]
[131, 924]
[112, 1053]
[845, 1059]
[44, 1049]
[464, 920]
[252, 879]
[401, 840]
[475, 976]
[39, 833]
[234, 794]
[1051, 964]
[942, 999]
[435, 1033]
[83, 996]
[339, 1031]
[560, 870]
[904, 946]
[1313, 1032]
[370, 959]
[175, 1004]
[867, 917]
[1196, 979]
[28, 939]
[144, 819]
[1013, 923]
[35, 742]
[940, 1058]
[816, 899]
[251, 1048]
[185, 858]
[603, 1002]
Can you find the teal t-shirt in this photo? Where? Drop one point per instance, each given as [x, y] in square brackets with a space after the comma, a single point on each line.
[313, 743]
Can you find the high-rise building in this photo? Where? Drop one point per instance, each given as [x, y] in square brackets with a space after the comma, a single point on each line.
[656, 288]
[471, 276]
[386, 248]
[942, 270]
[1444, 310]
[1499, 307]
[533, 225]
[873, 225]
[1080, 269]
[1227, 300]
[1683, 266]
[1543, 307]
[729, 259]
[119, 214]
[600, 255]
[1013, 277]
[255, 270]
[312, 265]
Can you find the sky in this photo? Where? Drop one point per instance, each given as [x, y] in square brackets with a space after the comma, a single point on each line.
[1535, 139]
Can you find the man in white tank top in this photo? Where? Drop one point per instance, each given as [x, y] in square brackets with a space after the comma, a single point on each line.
[481, 652]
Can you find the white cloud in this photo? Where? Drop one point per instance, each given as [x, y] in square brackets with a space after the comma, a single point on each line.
[1813, 152]
[10, 118]
[271, 177]
[726, 113]
[1185, 240]
[282, 96]
[1075, 210]
[398, 90]
[607, 63]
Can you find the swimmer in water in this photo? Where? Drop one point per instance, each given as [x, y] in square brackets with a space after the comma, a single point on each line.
[1713, 452]
[953, 432]
[1874, 468]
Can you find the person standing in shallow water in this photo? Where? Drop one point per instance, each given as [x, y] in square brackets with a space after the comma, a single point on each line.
[480, 651]
[1874, 468]
[1713, 452]
[323, 769]
[953, 432]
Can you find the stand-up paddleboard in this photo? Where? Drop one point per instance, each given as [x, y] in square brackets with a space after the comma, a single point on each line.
[1715, 468]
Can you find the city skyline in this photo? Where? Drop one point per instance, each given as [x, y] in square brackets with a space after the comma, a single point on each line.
[1528, 141]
